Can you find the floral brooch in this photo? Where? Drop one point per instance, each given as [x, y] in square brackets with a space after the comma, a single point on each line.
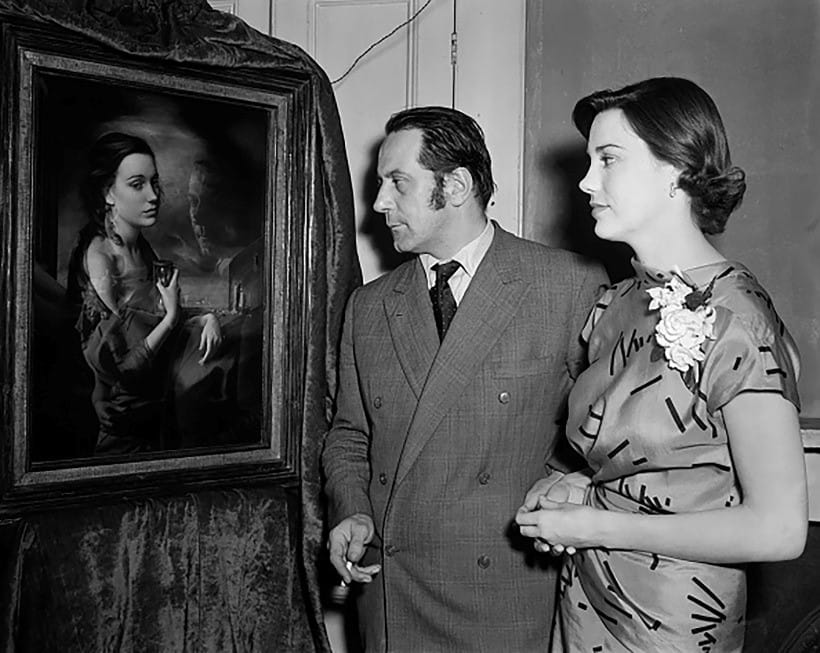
[686, 321]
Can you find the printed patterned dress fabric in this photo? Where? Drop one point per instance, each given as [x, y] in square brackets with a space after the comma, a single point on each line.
[657, 444]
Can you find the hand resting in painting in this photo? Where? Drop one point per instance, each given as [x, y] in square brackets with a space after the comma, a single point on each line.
[211, 337]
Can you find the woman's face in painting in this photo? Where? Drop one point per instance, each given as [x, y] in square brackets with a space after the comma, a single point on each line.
[134, 194]
[628, 187]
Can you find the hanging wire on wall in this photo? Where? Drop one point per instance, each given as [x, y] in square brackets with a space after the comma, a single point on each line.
[381, 40]
[454, 53]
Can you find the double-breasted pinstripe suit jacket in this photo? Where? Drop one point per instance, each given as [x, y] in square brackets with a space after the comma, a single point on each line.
[440, 444]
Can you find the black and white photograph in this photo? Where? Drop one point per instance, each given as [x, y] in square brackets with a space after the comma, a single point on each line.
[409, 326]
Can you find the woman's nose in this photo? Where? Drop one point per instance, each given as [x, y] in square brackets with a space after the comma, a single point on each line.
[588, 183]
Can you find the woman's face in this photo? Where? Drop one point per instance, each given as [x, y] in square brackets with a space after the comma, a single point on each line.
[628, 187]
[135, 191]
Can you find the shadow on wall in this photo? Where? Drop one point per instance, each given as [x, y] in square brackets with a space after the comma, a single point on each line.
[571, 226]
[373, 225]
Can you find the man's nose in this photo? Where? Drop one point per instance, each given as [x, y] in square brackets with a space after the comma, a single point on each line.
[382, 204]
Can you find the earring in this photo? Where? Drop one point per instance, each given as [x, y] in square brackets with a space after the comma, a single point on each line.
[109, 219]
[673, 189]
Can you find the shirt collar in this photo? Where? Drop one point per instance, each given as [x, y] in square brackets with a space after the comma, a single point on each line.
[469, 256]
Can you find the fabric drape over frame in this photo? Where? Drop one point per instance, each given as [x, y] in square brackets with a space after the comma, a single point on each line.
[216, 570]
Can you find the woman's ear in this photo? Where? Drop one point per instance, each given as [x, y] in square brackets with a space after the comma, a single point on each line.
[458, 186]
[674, 174]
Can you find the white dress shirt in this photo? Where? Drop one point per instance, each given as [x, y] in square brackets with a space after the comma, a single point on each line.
[468, 256]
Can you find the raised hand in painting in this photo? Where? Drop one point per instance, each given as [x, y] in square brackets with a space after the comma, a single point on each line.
[169, 295]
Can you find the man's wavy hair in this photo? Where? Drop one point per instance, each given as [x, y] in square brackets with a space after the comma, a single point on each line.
[450, 139]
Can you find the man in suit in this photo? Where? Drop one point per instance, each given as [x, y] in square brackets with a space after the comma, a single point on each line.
[439, 432]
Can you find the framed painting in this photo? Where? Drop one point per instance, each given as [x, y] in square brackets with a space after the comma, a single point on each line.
[104, 393]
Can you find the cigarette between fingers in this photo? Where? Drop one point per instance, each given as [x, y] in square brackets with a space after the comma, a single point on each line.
[348, 566]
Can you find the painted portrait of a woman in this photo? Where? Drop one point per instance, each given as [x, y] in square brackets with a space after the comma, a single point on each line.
[158, 273]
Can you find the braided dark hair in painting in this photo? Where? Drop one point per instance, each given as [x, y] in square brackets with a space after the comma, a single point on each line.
[104, 159]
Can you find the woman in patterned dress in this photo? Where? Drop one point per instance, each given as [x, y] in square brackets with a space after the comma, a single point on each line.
[688, 412]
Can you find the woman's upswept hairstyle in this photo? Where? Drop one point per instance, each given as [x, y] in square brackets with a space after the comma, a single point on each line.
[450, 139]
[680, 123]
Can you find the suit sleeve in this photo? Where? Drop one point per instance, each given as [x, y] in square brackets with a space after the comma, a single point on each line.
[592, 283]
[345, 457]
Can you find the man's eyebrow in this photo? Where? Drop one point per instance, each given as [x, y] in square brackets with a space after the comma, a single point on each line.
[391, 173]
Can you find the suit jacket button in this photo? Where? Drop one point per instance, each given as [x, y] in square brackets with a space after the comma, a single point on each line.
[389, 550]
[484, 478]
[483, 561]
[377, 402]
[504, 397]
[383, 478]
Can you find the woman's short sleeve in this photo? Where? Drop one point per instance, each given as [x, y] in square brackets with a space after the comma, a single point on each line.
[752, 352]
[595, 313]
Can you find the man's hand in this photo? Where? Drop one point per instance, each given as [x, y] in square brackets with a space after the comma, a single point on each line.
[346, 544]
[556, 488]
[540, 489]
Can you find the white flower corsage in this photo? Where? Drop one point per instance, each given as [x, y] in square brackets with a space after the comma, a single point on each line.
[686, 321]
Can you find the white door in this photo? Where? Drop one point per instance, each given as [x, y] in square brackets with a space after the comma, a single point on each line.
[413, 66]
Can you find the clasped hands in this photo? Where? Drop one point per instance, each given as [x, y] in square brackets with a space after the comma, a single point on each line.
[554, 513]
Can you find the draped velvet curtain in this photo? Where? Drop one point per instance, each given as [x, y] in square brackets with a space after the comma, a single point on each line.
[217, 570]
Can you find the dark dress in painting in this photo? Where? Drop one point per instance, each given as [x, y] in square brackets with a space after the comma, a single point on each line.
[166, 399]
[656, 442]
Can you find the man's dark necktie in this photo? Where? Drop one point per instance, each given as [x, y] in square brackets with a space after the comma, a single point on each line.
[444, 304]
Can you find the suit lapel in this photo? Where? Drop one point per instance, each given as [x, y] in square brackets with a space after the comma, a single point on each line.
[488, 306]
[412, 326]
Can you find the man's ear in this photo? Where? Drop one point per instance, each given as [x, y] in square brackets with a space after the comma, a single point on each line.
[458, 186]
